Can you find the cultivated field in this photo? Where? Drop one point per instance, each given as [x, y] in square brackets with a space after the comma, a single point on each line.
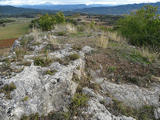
[11, 32]
[15, 29]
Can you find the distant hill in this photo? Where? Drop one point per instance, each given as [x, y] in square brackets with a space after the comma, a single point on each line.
[14, 11]
[49, 6]
[115, 10]
[70, 9]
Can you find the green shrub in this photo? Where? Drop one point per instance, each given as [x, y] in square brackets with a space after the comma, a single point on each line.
[47, 22]
[43, 62]
[142, 27]
[60, 18]
[79, 100]
[74, 56]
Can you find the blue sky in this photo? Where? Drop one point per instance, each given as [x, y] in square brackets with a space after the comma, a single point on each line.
[114, 2]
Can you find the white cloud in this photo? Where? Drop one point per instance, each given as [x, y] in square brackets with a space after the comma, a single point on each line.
[19, 2]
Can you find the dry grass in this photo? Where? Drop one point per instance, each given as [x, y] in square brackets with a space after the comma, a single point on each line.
[35, 34]
[115, 36]
[67, 28]
[71, 28]
[151, 56]
[20, 52]
[4, 51]
[102, 41]
[52, 40]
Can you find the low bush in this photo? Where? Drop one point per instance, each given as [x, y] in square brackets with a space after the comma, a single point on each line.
[142, 27]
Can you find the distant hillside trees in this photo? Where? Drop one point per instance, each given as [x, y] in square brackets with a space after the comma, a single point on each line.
[2, 21]
[142, 27]
[47, 22]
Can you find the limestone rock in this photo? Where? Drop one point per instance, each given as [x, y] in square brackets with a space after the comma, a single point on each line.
[45, 93]
[99, 112]
[157, 113]
[133, 95]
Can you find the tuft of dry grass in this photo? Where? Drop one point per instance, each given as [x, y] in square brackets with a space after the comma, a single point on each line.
[71, 28]
[35, 34]
[115, 36]
[151, 56]
[52, 40]
[20, 52]
[67, 28]
[102, 42]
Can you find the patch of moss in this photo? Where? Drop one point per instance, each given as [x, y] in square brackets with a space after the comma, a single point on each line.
[51, 72]
[25, 98]
[61, 33]
[31, 117]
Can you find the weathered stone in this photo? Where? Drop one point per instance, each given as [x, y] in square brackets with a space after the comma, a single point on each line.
[45, 93]
[99, 112]
[133, 95]
[157, 113]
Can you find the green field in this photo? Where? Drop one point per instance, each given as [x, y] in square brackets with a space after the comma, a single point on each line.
[15, 29]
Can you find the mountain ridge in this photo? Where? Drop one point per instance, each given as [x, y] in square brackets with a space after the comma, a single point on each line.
[70, 9]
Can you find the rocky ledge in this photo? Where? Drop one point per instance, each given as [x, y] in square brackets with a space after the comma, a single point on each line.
[39, 89]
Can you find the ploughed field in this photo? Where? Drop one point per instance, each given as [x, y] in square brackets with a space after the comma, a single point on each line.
[11, 31]
[7, 43]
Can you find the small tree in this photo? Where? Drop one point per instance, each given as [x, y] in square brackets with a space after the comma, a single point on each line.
[142, 27]
[47, 22]
[60, 18]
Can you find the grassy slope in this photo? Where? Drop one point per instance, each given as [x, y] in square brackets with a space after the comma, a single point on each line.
[14, 30]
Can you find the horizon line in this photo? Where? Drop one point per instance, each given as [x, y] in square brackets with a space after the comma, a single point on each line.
[50, 3]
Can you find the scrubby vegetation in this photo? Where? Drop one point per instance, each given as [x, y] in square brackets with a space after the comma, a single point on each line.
[47, 22]
[42, 61]
[142, 27]
[143, 113]
[4, 21]
[7, 89]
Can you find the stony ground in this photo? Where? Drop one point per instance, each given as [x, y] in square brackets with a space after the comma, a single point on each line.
[66, 74]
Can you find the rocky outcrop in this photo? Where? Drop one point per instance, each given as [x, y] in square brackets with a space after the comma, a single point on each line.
[41, 93]
[132, 95]
[97, 110]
